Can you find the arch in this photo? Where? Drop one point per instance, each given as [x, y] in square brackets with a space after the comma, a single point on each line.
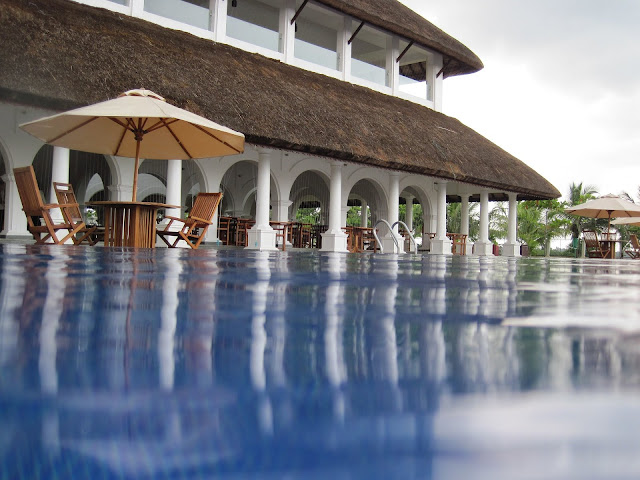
[373, 193]
[310, 190]
[238, 185]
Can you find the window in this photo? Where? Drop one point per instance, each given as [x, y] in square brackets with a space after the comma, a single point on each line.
[316, 32]
[369, 56]
[191, 12]
[120, 2]
[413, 72]
[256, 22]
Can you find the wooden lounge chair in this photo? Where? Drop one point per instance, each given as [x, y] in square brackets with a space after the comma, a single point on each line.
[71, 213]
[195, 226]
[593, 246]
[633, 249]
[39, 221]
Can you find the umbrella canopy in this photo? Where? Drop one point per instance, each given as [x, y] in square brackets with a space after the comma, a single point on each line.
[607, 206]
[119, 126]
[630, 221]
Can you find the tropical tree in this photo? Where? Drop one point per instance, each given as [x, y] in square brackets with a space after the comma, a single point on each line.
[579, 193]
[454, 219]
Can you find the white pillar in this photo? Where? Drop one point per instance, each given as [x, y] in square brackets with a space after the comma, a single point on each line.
[261, 235]
[15, 222]
[464, 221]
[364, 216]
[409, 211]
[393, 206]
[334, 239]
[59, 173]
[174, 186]
[441, 243]
[483, 246]
[512, 248]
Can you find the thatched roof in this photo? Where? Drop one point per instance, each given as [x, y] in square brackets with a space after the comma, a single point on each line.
[393, 16]
[58, 54]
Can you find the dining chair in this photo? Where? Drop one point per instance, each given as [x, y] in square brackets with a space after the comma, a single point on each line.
[633, 249]
[71, 213]
[593, 245]
[40, 223]
[193, 228]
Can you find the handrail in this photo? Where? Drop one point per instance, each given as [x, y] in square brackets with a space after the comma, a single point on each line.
[404, 225]
[390, 230]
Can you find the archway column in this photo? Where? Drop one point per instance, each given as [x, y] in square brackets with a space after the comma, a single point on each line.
[334, 239]
[441, 243]
[512, 248]
[393, 206]
[408, 217]
[59, 173]
[173, 197]
[261, 236]
[364, 217]
[483, 246]
[15, 222]
[464, 221]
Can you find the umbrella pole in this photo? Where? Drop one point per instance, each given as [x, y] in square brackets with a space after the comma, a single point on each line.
[135, 171]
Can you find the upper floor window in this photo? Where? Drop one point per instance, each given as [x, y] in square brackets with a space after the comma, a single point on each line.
[191, 12]
[316, 35]
[413, 72]
[256, 22]
[120, 2]
[369, 52]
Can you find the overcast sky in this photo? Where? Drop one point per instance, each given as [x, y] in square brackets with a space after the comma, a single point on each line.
[560, 88]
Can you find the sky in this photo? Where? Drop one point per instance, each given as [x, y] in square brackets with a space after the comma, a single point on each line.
[560, 88]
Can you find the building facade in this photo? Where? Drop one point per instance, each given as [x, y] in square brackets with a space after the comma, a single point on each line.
[340, 104]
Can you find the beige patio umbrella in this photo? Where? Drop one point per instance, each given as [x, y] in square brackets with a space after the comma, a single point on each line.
[137, 124]
[608, 206]
[629, 221]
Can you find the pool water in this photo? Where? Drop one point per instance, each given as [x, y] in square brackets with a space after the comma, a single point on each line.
[207, 364]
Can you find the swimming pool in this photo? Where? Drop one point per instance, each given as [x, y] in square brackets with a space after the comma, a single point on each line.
[117, 363]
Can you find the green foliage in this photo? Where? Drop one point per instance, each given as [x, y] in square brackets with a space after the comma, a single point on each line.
[308, 215]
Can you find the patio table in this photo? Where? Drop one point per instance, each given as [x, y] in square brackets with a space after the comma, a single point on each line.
[130, 224]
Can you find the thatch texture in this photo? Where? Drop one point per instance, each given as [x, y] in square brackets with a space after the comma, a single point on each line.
[393, 16]
[59, 54]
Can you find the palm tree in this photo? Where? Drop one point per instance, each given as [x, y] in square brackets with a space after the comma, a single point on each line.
[579, 194]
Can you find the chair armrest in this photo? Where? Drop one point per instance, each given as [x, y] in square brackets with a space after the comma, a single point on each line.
[174, 218]
[200, 220]
[50, 206]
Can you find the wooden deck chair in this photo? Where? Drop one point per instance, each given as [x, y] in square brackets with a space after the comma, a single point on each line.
[633, 249]
[195, 226]
[593, 246]
[39, 221]
[72, 215]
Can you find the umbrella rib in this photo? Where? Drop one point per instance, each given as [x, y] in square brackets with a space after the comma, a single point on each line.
[217, 138]
[72, 129]
[164, 122]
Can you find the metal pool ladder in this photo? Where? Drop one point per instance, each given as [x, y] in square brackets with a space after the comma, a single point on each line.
[395, 240]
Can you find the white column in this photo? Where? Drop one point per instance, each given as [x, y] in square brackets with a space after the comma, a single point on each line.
[174, 186]
[219, 19]
[393, 205]
[334, 239]
[512, 247]
[464, 221]
[261, 235]
[408, 218]
[59, 173]
[364, 216]
[282, 210]
[15, 222]
[483, 246]
[441, 244]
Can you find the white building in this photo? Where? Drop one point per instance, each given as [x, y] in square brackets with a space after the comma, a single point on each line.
[339, 102]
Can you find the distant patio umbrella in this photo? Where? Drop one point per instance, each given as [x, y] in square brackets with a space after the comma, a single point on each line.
[607, 206]
[119, 126]
[629, 221]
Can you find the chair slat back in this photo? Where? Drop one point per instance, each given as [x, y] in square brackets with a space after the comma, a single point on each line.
[28, 190]
[205, 205]
[66, 195]
[591, 239]
[634, 242]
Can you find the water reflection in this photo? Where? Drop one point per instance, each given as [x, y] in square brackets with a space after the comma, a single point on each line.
[245, 363]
